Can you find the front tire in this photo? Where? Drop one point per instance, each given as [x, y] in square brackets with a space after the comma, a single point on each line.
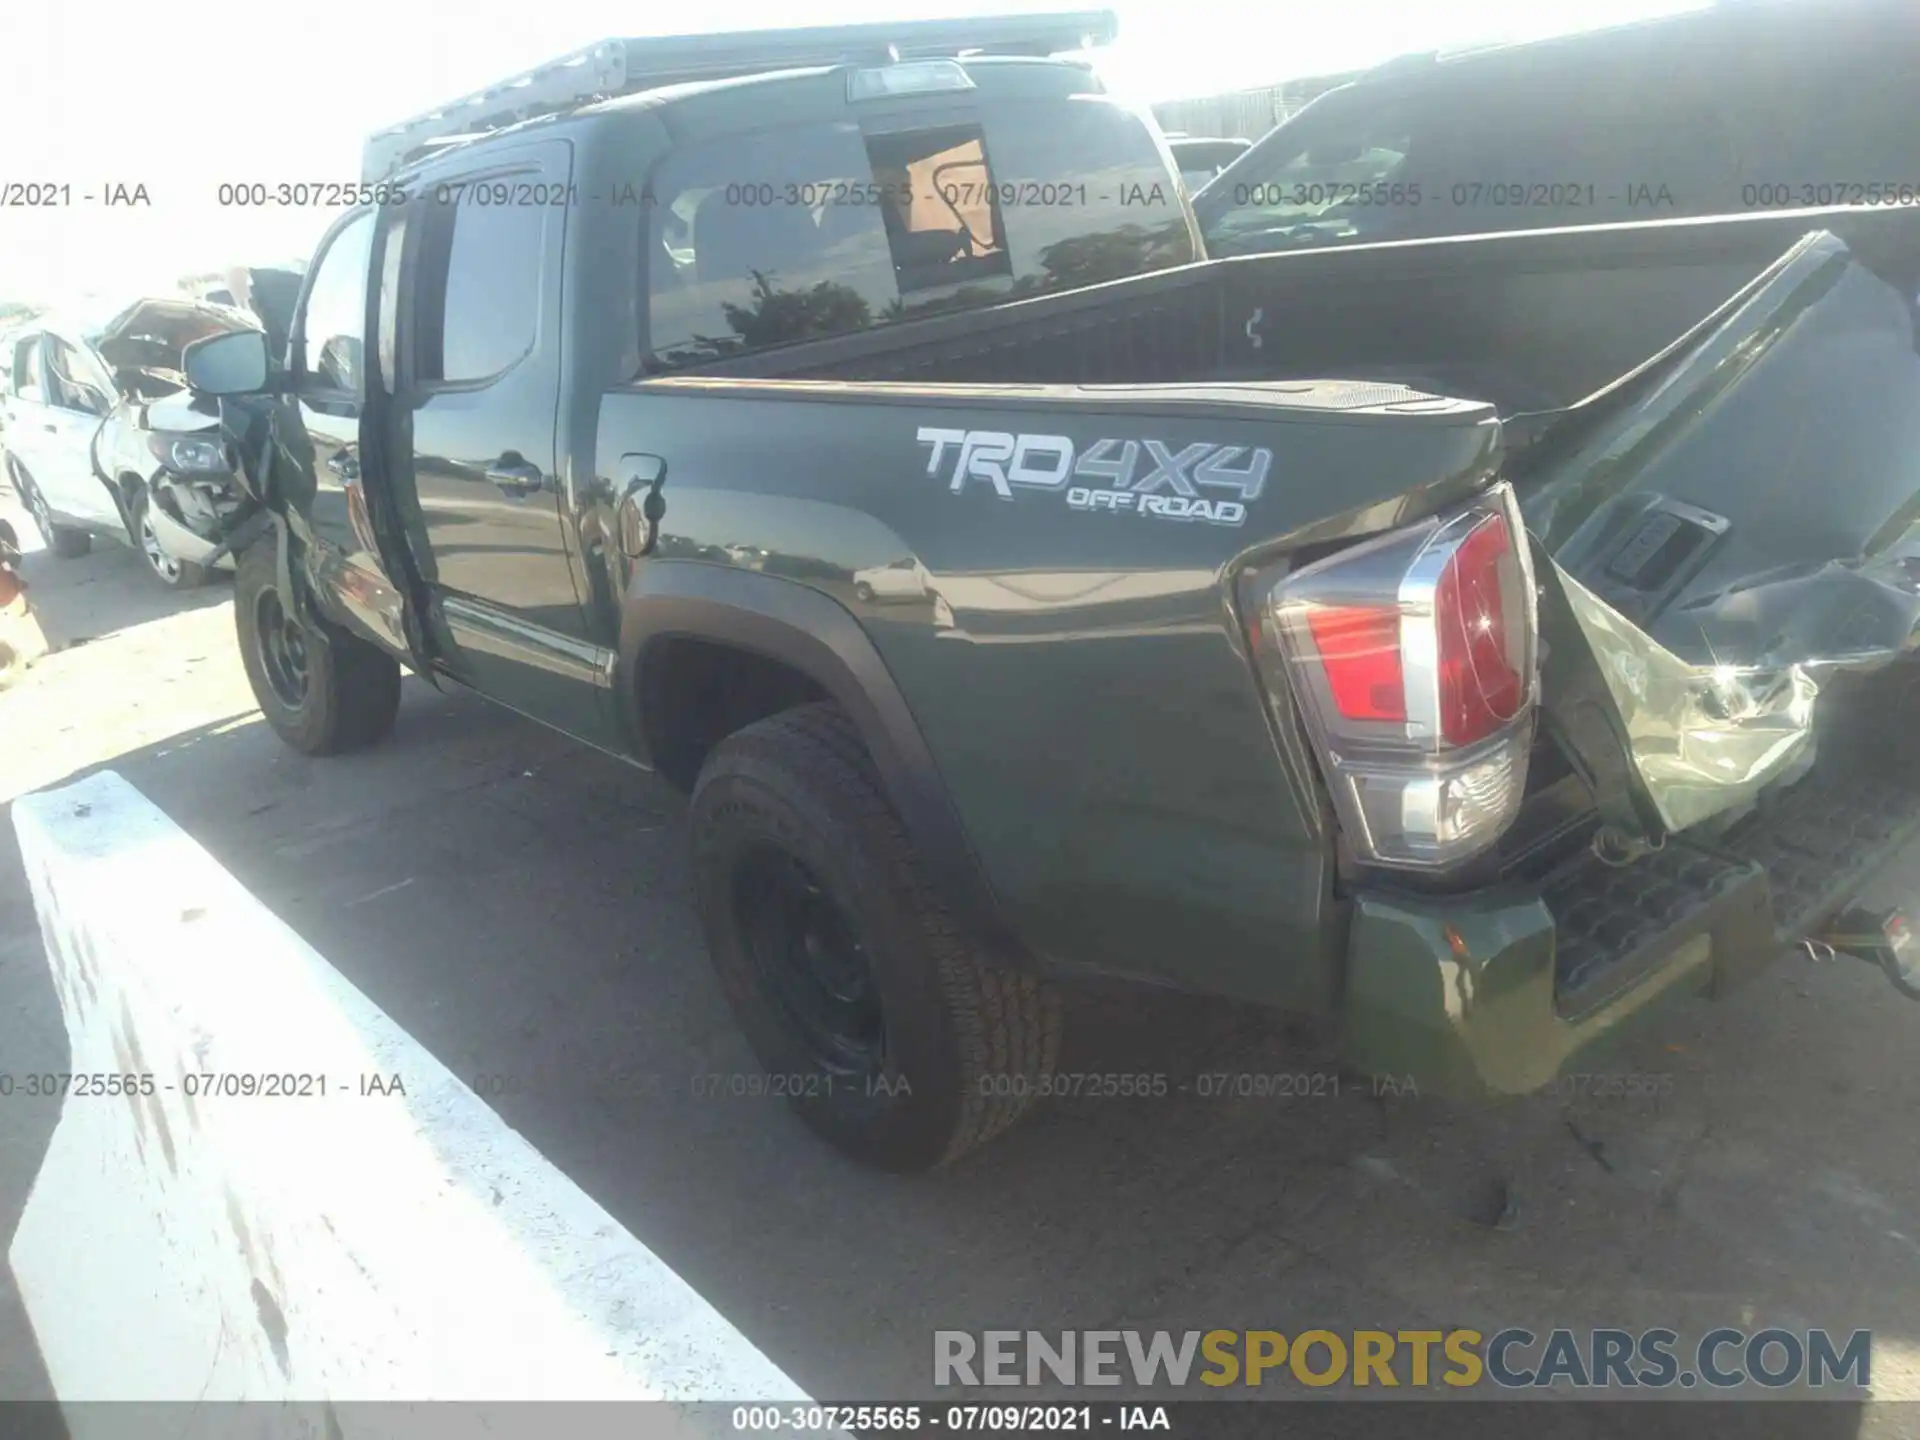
[322, 690]
[172, 573]
[893, 1035]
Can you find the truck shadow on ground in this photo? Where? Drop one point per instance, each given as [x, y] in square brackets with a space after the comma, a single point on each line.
[520, 905]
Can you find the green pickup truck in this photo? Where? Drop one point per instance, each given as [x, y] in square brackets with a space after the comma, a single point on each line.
[1472, 640]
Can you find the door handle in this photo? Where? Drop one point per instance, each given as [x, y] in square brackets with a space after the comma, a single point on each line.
[516, 477]
[51, 428]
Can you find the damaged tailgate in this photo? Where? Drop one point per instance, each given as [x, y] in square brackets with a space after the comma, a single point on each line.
[1728, 545]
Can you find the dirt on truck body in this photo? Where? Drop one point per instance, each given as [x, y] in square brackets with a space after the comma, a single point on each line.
[1474, 640]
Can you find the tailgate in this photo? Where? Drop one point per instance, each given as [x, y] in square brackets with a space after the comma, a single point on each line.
[1730, 584]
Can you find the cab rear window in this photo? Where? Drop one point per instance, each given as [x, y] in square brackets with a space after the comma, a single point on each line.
[775, 237]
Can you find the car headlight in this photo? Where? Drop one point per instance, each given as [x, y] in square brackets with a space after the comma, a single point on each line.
[187, 453]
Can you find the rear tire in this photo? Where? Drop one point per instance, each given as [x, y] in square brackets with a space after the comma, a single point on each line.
[322, 690]
[927, 1049]
[64, 541]
[172, 573]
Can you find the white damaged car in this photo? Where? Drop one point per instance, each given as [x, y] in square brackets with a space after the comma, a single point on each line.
[103, 438]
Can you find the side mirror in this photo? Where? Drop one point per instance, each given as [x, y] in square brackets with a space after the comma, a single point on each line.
[234, 364]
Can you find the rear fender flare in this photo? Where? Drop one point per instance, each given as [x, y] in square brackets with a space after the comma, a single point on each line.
[812, 633]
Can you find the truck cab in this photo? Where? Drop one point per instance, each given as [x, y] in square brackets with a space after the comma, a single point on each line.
[457, 324]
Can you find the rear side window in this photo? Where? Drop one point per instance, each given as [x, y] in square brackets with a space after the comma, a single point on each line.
[776, 237]
[479, 281]
[26, 370]
[73, 383]
[764, 239]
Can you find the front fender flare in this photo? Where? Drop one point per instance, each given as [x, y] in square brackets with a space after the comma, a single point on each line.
[812, 633]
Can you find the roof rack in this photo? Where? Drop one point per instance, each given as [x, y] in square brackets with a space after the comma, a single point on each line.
[621, 67]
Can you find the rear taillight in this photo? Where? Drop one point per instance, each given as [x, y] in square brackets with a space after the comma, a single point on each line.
[1413, 658]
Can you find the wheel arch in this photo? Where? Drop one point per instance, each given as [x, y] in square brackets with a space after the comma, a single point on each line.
[811, 636]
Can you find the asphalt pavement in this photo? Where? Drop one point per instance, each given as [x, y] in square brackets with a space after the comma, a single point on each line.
[520, 904]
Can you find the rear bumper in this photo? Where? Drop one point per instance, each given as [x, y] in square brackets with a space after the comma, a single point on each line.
[1501, 991]
[1462, 1000]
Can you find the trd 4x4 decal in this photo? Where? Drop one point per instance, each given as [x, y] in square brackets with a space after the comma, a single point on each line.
[1144, 477]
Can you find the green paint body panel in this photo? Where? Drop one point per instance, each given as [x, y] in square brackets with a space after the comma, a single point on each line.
[1459, 995]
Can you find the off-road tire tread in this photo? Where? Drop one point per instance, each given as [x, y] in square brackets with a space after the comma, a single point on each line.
[369, 691]
[355, 685]
[1005, 1022]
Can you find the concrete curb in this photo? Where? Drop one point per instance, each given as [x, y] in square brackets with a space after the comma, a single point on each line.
[361, 1244]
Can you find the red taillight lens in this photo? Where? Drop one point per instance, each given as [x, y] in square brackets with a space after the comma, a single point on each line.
[1359, 649]
[1412, 656]
[1479, 680]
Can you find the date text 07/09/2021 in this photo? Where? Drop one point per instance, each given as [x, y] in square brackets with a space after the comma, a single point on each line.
[198, 1084]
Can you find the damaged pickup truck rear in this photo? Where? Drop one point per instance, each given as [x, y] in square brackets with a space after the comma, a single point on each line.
[1474, 640]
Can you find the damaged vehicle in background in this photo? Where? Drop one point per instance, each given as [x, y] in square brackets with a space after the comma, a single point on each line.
[1721, 110]
[104, 440]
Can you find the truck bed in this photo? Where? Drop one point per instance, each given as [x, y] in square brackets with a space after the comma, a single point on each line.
[1487, 317]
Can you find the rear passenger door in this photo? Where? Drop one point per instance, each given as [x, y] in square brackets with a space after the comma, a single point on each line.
[475, 452]
[79, 397]
[26, 404]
